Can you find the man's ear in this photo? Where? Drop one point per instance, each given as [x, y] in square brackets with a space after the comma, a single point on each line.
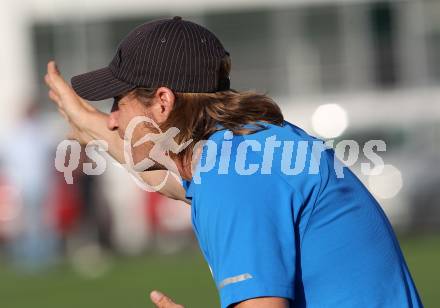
[164, 100]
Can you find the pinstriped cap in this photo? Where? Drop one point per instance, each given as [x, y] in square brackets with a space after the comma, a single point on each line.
[174, 53]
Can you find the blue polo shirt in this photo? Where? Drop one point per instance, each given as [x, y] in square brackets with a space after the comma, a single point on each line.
[277, 215]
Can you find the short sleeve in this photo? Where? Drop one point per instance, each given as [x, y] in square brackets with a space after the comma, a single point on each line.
[248, 232]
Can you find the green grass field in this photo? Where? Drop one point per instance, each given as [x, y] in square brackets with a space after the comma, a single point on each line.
[184, 276]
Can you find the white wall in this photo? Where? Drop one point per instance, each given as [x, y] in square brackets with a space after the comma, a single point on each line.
[99, 8]
[16, 80]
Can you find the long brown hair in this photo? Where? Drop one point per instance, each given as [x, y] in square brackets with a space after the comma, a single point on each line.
[199, 115]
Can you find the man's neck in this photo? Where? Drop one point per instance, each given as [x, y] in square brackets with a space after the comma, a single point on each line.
[186, 165]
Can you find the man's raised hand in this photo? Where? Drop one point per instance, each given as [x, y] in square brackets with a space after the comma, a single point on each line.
[70, 105]
[163, 301]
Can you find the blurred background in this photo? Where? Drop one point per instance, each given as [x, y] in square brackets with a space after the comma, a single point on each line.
[360, 70]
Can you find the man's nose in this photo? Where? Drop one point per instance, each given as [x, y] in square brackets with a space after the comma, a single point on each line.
[112, 122]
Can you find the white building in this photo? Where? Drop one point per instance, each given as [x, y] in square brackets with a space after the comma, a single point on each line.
[377, 60]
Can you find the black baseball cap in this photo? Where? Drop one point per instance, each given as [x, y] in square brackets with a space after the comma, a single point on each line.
[174, 53]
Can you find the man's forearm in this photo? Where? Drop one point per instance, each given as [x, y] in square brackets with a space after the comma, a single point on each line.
[96, 128]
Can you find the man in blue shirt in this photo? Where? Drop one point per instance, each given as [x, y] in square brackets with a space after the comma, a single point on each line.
[314, 238]
[278, 226]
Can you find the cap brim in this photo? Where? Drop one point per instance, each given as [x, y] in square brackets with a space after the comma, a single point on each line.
[99, 85]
